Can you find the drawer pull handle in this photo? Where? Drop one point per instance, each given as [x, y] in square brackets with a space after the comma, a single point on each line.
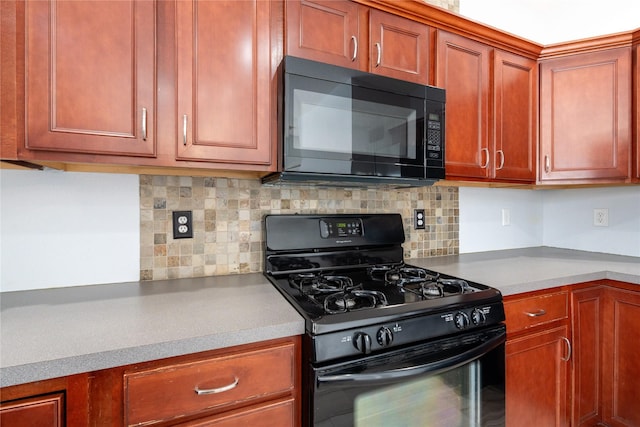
[566, 359]
[222, 389]
[536, 314]
[355, 48]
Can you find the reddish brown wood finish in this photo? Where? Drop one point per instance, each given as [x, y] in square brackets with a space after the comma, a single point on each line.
[326, 31]
[620, 367]
[636, 109]
[537, 378]
[536, 309]
[168, 392]
[59, 401]
[585, 117]
[399, 48]
[346, 34]
[515, 106]
[587, 307]
[41, 411]
[224, 81]
[463, 70]
[280, 413]
[90, 74]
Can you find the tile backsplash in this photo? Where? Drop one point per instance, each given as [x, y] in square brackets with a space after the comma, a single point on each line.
[228, 213]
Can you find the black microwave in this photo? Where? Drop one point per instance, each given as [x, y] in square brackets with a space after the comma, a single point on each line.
[346, 127]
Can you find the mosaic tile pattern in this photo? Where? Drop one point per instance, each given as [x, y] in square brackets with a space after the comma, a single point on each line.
[452, 5]
[228, 213]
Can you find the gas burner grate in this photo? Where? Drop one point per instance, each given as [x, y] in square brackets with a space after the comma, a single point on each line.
[353, 299]
[318, 283]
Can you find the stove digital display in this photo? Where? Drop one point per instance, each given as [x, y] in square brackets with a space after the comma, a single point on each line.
[332, 228]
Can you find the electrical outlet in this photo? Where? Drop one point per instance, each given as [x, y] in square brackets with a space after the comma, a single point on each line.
[601, 217]
[418, 219]
[182, 225]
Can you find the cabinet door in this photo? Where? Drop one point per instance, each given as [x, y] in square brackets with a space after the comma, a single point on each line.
[326, 31]
[91, 76]
[224, 76]
[399, 47]
[636, 116]
[41, 411]
[536, 378]
[515, 124]
[587, 323]
[463, 70]
[620, 363]
[281, 414]
[585, 117]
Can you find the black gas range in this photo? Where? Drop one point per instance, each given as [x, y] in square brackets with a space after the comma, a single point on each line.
[365, 309]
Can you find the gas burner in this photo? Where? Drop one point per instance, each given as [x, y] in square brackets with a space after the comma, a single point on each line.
[318, 283]
[353, 299]
[459, 286]
[400, 275]
[431, 290]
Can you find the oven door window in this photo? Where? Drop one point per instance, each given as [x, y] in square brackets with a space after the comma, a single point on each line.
[454, 382]
[338, 128]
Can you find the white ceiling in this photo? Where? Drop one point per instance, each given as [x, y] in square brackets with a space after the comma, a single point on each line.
[547, 21]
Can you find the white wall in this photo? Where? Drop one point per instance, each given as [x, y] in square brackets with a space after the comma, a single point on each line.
[558, 218]
[481, 226]
[64, 229]
[552, 21]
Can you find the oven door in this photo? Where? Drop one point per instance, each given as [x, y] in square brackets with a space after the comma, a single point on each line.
[457, 381]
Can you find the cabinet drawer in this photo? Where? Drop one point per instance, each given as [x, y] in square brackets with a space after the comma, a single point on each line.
[178, 390]
[279, 414]
[535, 310]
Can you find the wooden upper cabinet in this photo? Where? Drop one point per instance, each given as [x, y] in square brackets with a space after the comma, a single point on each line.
[399, 48]
[325, 31]
[343, 33]
[515, 126]
[224, 81]
[585, 117]
[636, 109]
[490, 135]
[463, 70]
[90, 76]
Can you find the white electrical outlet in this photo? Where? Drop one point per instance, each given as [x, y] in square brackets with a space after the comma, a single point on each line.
[506, 216]
[601, 217]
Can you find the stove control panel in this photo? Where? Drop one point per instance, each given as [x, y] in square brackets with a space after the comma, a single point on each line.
[340, 227]
[376, 337]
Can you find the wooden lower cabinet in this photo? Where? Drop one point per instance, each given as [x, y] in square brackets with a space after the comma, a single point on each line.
[606, 337]
[40, 411]
[538, 353]
[255, 385]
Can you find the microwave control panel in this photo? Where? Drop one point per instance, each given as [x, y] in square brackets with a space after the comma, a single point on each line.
[434, 137]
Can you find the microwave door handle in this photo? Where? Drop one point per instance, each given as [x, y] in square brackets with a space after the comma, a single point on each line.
[432, 367]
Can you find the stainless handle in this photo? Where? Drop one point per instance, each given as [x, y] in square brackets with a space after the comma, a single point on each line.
[222, 389]
[566, 359]
[547, 164]
[486, 151]
[354, 39]
[379, 48]
[184, 130]
[538, 313]
[144, 124]
[501, 160]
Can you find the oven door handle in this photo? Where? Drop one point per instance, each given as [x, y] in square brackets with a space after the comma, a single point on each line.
[431, 367]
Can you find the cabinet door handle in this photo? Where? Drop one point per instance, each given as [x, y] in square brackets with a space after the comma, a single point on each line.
[501, 159]
[547, 164]
[144, 124]
[184, 129]
[538, 313]
[486, 152]
[354, 39]
[379, 49]
[222, 389]
[566, 359]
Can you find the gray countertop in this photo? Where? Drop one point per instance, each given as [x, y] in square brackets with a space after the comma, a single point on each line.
[57, 332]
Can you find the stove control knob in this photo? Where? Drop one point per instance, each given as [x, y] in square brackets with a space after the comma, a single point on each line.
[478, 317]
[461, 319]
[362, 342]
[385, 336]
